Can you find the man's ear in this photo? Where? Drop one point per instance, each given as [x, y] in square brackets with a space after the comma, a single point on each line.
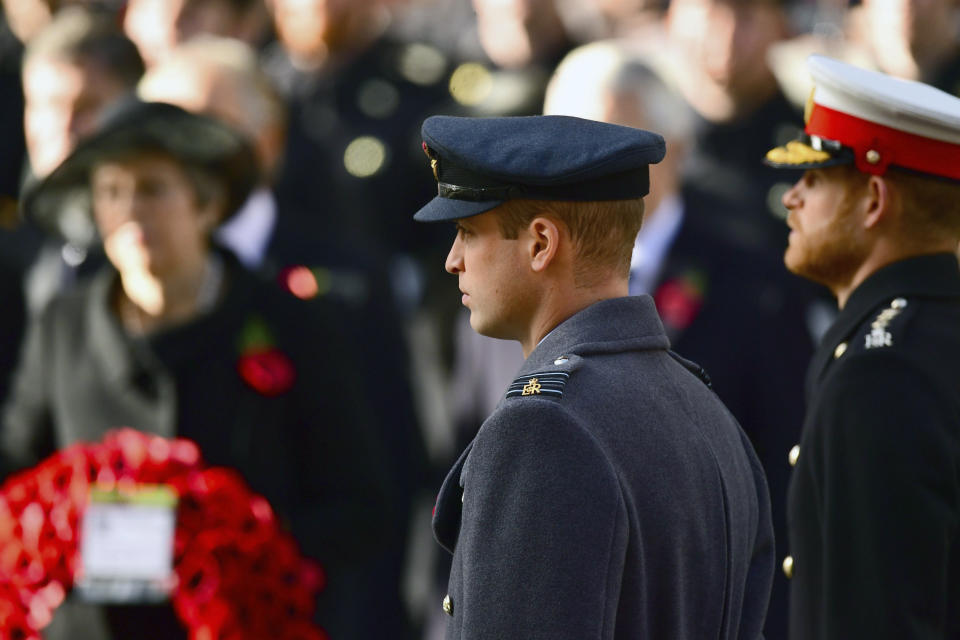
[544, 242]
[880, 201]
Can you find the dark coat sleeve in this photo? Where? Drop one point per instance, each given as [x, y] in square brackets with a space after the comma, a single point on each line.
[26, 433]
[887, 485]
[544, 521]
[12, 322]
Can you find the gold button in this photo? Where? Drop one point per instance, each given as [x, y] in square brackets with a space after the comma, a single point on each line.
[788, 567]
[794, 455]
[447, 605]
[840, 350]
[873, 156]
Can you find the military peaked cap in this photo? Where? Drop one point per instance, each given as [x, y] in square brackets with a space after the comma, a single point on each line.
[875, 121]
[480, 163]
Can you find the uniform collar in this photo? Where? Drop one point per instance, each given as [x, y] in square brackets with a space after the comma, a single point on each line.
[618, 324]
[928, 276]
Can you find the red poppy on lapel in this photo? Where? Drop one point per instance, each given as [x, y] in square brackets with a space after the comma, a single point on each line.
[262, 365]
[679, 300]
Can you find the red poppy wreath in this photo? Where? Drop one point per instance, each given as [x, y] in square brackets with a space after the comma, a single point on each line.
[237, 575]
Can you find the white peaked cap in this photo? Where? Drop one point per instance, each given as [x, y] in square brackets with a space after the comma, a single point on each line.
[875, 121]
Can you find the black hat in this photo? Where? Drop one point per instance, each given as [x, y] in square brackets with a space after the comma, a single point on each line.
[480, 163]
[61, 201]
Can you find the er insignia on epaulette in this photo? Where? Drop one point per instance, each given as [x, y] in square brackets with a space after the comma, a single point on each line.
[548, 383]
[531, 388]
[879, 336]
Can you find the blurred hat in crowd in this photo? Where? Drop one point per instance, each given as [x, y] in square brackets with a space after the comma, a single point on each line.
[61, 204]
[875, 121]
[480, 163]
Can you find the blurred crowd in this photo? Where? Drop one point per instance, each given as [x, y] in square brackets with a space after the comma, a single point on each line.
[310, 240]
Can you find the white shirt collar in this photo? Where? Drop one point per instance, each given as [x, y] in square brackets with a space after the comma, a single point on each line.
[248, 232]
[653, 242]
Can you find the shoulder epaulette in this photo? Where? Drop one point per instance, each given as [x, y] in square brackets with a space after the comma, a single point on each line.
[544, 383]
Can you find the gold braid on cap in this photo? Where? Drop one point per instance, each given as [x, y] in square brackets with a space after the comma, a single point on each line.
[434, 161]
[796, 153]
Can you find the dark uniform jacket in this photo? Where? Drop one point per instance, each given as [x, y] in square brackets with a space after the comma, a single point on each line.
[307, 449]
[874, 504]
[610, 495]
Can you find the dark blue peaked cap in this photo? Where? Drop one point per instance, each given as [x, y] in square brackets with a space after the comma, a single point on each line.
[480, 163]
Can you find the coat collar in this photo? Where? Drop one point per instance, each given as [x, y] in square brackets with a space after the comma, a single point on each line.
[928, 276]
[121, 356]
[108, 341]
[618, 324]
[448, 508]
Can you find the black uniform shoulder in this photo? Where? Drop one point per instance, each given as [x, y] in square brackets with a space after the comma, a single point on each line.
[899, 362]
[925, 328]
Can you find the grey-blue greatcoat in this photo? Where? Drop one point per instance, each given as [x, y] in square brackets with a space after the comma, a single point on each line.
[623, 501]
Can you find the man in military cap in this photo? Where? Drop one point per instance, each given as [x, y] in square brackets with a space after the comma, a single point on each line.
[874, 502]
[610, 494]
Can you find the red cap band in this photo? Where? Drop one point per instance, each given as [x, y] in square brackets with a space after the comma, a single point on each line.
[876, 146]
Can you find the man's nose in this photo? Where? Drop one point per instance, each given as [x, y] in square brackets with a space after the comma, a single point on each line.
[454, 263]
[791, 197]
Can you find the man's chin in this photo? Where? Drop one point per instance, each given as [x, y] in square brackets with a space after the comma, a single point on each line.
[489, 329]
[792, 261]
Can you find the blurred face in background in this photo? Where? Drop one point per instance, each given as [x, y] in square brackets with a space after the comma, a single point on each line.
[907, 35]
[726, 41]
[149, 215]
[157, 26]
[202, 87]
[26, 17]
[311, 30]
[515, 33]
[63, 101]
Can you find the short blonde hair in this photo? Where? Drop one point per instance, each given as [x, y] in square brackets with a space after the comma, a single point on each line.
[603, 232]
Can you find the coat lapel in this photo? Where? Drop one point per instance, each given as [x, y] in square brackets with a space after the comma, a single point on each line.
[121, 362]
[449, 507]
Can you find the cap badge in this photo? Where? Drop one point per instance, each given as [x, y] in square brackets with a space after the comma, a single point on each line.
[796, 153]
[808, 107]
[434, 161]
[873, 156]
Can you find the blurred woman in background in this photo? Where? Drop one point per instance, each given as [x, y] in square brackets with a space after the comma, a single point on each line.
[176, 338]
